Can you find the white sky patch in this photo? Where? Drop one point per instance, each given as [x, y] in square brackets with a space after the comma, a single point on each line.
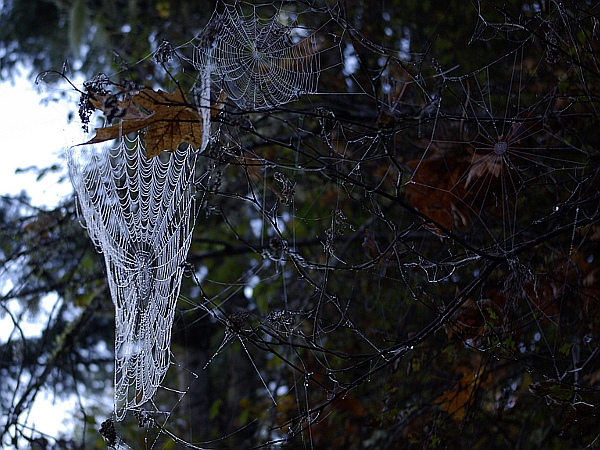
[33, 134]
[30, 325]
[350, 60]
[250, 285]
[51, 415]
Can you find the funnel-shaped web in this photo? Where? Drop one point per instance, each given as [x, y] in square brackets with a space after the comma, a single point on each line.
[138, 213]
[259, 63]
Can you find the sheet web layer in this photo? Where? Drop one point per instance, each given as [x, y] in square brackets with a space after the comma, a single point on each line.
[138, 214]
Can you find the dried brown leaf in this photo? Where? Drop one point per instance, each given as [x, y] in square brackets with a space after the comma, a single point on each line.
[455, 401]
[171, 121]
[370, 245]
[575, 412]
[119, 129]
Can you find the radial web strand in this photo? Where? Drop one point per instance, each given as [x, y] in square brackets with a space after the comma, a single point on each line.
[138, 212]
[260, 63]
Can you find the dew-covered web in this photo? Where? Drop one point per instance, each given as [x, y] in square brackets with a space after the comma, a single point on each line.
[491, 141]
[138, 212]
[260, 62]
[376, 225]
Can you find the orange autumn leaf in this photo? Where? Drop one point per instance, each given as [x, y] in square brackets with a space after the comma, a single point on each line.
[558, 394]
[575, 412]
[170, 120]
[455, 401]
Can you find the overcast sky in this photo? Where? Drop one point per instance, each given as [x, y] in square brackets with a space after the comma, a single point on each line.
[32, 134]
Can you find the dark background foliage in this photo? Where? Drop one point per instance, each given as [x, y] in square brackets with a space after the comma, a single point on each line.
[406, 259]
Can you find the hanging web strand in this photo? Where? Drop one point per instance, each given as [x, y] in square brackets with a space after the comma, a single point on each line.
[259, 63]
[138, 213]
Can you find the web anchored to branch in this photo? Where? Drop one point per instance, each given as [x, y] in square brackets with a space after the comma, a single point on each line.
[260, 63]
[138, 213]
[342, 235]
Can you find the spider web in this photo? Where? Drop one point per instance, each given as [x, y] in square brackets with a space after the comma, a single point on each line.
[138, 214]
[464, 151]
[358, 247]
[500, 143]
[259, 62]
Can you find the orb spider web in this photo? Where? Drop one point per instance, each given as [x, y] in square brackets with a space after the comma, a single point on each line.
[259, 62]
[498, 142]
